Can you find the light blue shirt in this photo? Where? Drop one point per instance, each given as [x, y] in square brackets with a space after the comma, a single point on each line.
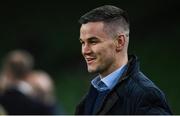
[108, 82]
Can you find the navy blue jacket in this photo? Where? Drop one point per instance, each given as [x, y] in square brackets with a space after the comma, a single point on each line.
[134, 94]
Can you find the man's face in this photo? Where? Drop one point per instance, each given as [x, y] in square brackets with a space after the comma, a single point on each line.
[98, 48]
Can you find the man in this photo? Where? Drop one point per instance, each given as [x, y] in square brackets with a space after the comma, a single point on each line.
[44, 89]
[120, 87]
[16, 98]
[42, 85]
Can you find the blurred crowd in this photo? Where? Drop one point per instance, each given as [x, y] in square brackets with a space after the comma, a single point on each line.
[24, 90]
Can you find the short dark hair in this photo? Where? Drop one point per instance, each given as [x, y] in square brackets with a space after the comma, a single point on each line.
[104, 13]
[109, 15]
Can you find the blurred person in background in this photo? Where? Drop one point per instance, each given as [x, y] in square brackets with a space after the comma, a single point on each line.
[42, 85]
[44, 89]
[16, 97]
[120, 87]
[16, 65]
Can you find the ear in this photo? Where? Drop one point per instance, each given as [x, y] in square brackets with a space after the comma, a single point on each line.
[120, 42]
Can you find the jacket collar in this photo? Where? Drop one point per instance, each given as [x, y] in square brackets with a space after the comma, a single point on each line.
[133, 67]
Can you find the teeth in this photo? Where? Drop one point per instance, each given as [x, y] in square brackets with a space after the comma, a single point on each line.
[89, 59]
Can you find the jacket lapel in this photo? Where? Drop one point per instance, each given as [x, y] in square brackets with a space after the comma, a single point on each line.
[109, 103]
[113, 96]
[99, 101]
[90, 99]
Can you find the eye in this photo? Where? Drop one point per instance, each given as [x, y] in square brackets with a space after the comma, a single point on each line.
[93, 41]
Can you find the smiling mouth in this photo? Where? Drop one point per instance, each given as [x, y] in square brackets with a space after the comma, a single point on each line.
[90, 60]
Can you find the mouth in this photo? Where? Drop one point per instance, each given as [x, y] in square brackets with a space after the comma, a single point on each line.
[90, 60]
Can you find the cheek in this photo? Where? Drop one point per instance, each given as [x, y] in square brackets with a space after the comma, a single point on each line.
[108, 48]
[106, 52]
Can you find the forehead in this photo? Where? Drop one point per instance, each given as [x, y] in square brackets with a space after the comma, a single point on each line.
[92, 29]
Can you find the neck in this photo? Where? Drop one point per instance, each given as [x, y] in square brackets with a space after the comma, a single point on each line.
[119, 61]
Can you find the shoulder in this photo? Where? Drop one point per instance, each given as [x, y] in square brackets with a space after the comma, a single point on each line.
[142, 95]
[139, 85]
[146, 96]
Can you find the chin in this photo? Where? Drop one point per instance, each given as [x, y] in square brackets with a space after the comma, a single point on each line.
[90, 70]
[94, 70]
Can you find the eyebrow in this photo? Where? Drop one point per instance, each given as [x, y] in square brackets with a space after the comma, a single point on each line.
[91, 38]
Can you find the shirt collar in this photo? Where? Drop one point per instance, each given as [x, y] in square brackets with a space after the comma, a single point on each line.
[96, 84]
[109, 81]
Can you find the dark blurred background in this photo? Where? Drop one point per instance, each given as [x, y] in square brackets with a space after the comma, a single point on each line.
[50, 32]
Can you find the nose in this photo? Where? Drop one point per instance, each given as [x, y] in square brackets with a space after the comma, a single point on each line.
[86, 49]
